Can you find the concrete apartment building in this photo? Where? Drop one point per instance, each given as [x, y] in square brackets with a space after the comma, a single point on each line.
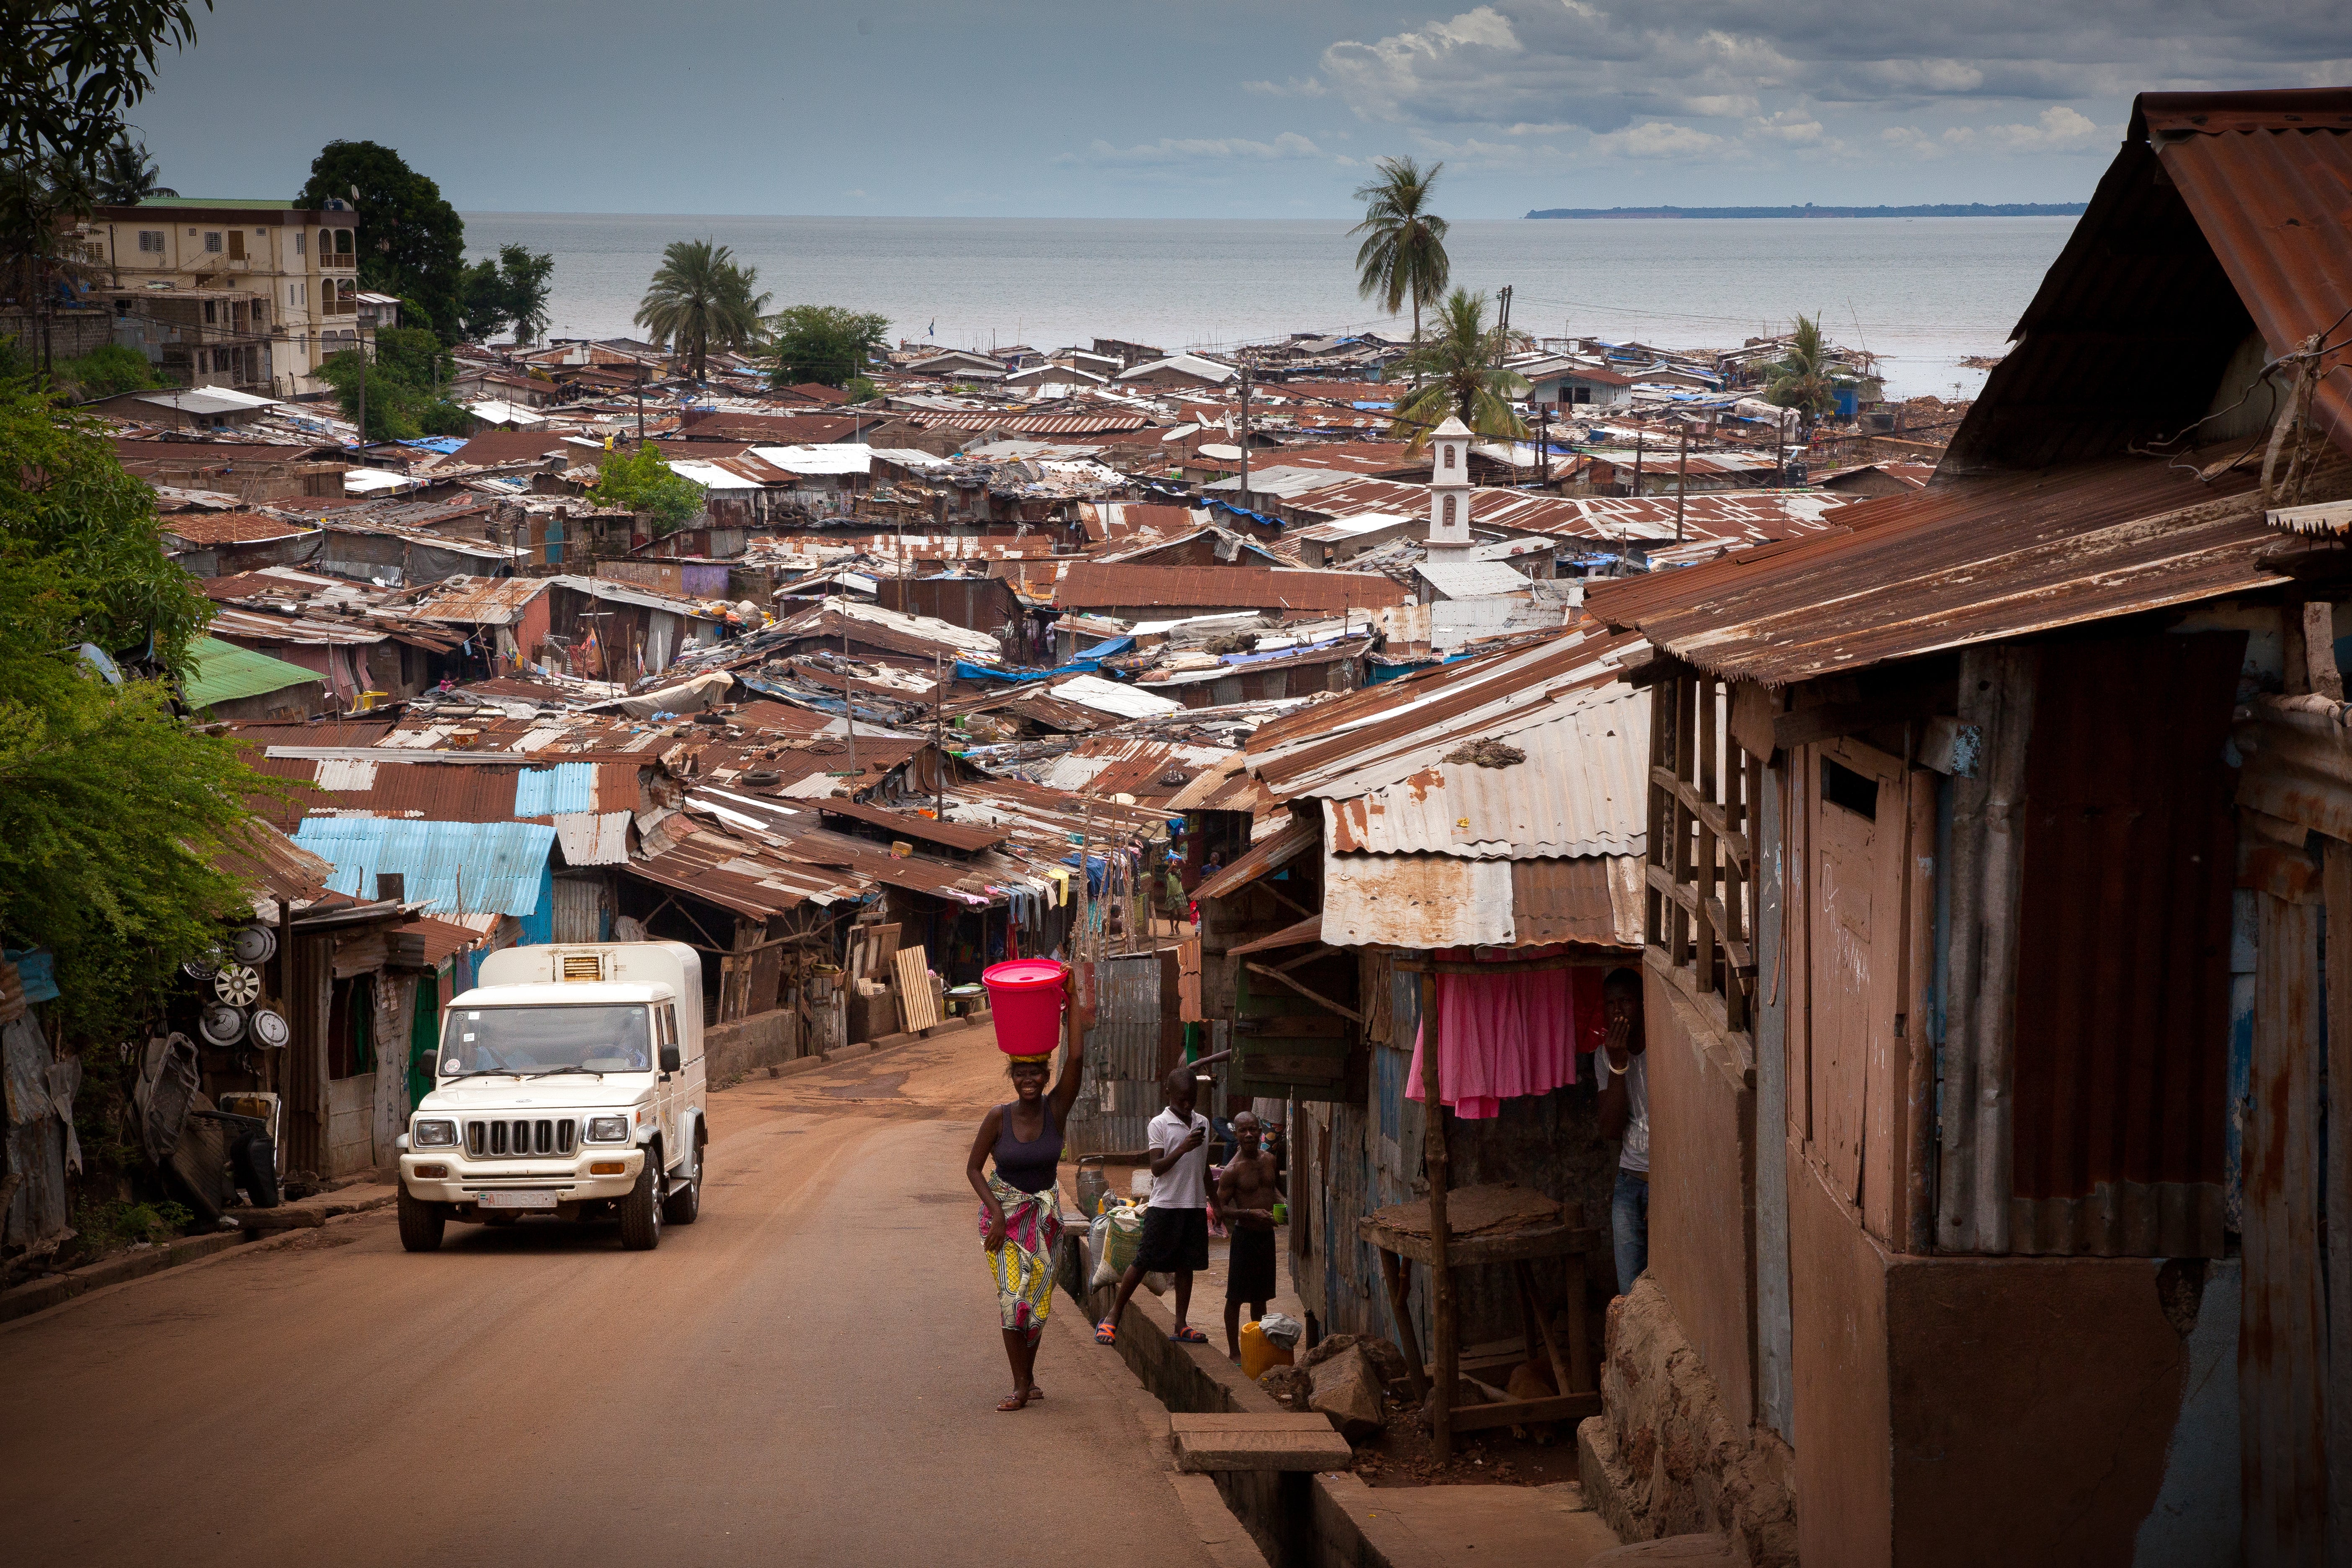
[224, 293]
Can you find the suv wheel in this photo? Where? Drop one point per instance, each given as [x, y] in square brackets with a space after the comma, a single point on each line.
[641, 1209]
[686, 1189]
[421, 1224]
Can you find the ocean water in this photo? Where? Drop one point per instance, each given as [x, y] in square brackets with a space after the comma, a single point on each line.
[1922, 294]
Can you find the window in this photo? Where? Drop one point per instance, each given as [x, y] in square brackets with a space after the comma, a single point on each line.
[301, 241]
[342, 242]
[1584, 394]
[1449, 512]
[1858, 793]
[1447, 447]
[325, 241]
[213, 241]
[151, 241]
[209, 318]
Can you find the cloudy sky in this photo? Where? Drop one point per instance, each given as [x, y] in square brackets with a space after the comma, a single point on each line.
[1204, 107]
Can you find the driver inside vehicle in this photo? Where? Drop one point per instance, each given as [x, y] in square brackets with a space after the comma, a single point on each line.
[596, 1039]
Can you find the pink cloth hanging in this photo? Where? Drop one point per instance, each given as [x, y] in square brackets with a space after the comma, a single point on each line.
[1501, 1036]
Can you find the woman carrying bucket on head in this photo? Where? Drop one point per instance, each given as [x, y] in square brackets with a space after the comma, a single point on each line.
[1020, 1204]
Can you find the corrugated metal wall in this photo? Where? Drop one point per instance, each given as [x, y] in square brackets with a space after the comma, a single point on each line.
[1122, 1055]
[2123, 990]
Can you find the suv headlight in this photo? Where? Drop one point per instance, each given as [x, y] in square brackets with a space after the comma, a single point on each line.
[434, 1135]
[608, 1129]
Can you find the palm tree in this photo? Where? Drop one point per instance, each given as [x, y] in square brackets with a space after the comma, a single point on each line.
[1457, 372]
[124, 175]
[1802, 380]
[700, 299]
[1403, 253]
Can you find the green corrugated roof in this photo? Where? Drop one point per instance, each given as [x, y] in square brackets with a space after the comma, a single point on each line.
[264, 202]
[225, 673]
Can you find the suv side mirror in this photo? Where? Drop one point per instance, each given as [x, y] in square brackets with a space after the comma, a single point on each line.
[669, 1059]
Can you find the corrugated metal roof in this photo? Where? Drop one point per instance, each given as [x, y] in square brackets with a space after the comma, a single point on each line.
[1580, 790]
[1466, 579]
[593, 838]
[1269, 853]
[222, 672]
[231, 528]
[1373, 738]
[928, 830]
[567, 787]
[457, 867]
[742, 876]
[1090, 583]
[480, 601]
[1429, 901]
[1973, 561]
[2268, 176]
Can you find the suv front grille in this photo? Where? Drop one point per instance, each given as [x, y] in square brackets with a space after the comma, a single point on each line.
[520, 1138]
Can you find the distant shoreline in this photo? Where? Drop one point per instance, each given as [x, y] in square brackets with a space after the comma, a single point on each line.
[1939, 209]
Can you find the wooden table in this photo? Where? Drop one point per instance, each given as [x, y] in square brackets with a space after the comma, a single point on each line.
[1521, 1247]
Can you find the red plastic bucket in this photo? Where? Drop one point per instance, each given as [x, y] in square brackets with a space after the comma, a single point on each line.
[1024, 996]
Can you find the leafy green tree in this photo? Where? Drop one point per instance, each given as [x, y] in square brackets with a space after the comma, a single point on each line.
[112, 810]
[861, 390]
[405, 399]
[411, 242]
[482, 312]
[700, 300]
[1403, 254]
[825, 343]
[643, 481]
[1802, 379]
[526, 274]
[1456, 373]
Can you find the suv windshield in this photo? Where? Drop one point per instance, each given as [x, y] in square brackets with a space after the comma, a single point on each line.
[535, 1039]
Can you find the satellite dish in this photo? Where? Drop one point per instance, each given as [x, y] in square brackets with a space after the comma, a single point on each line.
[237, 984]
[254, 944]
[221, 1025]
[270, 1029]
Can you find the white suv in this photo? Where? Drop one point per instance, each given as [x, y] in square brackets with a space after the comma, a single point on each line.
[570, 1082]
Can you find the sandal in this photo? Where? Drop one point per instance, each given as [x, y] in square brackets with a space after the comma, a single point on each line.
[1012, 1401]
[1189, 1335]
[1035, 1393]
[1106, 1333]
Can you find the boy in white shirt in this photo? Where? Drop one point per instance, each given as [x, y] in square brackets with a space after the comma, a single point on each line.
[1176, 1225]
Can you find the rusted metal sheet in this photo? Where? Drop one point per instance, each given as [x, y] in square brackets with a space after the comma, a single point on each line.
[2268, 178]
[1974, 561]
[2123, 984]
[1579, 790]
[2298, 761]
[1592, 899]
[1416, 901]
[1090, 584]
[1269, 854]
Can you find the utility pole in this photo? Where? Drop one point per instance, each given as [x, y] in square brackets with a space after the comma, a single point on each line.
[849, 701]
[359, 338]
[1682, 477]
[1246, 435]
[1543, 445]
[1503, 325]
[1641, 445]
[641, 404]
[939, 736]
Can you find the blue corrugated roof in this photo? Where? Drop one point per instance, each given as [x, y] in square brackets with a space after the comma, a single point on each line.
[498, 868]
[566, 786]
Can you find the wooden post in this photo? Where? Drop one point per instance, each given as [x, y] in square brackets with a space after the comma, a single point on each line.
[1443, 1327]
[1919, 1002]
[2003, 867]
[1396, 1273]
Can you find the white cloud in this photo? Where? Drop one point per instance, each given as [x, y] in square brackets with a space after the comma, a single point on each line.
[1196, 150]
[1657, 139]
[1790, 127]
[2059, 129]
[1293, 87]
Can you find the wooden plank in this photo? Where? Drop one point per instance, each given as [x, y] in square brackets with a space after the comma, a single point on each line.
[1584, 1379]
[1532, 1304]
[1295, 1069]
[1396, 1273]
[1526, 1412]
[1320, 1001]
[1232, 1441]
[1662, 880]
[1289, 1026]
[1917, 1045]
[918, 1009]
[1754, 706]
[2337, 1385]
[1507, 1247]
[1444, 1326]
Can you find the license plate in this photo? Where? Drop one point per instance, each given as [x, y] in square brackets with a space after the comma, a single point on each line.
[515, 1199]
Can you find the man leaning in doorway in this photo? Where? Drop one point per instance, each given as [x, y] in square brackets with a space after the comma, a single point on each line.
[1625, 1113]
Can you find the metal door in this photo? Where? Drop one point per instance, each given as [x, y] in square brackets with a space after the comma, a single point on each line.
[1856, 928]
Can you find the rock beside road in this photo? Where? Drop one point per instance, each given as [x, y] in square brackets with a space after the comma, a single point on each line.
[1348, 1389]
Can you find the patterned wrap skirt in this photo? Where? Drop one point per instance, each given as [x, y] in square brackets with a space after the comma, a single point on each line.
[1023, 1266]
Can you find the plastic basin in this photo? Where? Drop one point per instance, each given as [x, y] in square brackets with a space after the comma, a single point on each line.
[1024, 995]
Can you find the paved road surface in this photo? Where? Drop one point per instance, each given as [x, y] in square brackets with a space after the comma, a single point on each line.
[806, 1375]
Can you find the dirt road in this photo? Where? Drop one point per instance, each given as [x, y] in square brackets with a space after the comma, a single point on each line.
[806, 1375]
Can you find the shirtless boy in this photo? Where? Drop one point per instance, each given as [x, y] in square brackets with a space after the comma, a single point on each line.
[1246, 1195]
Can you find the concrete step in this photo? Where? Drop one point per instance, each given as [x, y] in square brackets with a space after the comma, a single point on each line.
[1234, 1441]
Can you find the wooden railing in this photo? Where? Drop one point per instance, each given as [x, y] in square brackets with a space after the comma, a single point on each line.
[1700, 880]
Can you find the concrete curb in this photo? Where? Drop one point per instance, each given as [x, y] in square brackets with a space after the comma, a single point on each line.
[41, 1295]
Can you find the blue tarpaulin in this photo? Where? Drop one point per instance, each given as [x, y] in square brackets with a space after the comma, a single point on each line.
[1086, 663]
[1270, 521]
[36, 971]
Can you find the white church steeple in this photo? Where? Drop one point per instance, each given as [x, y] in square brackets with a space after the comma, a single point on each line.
[1449, 486]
